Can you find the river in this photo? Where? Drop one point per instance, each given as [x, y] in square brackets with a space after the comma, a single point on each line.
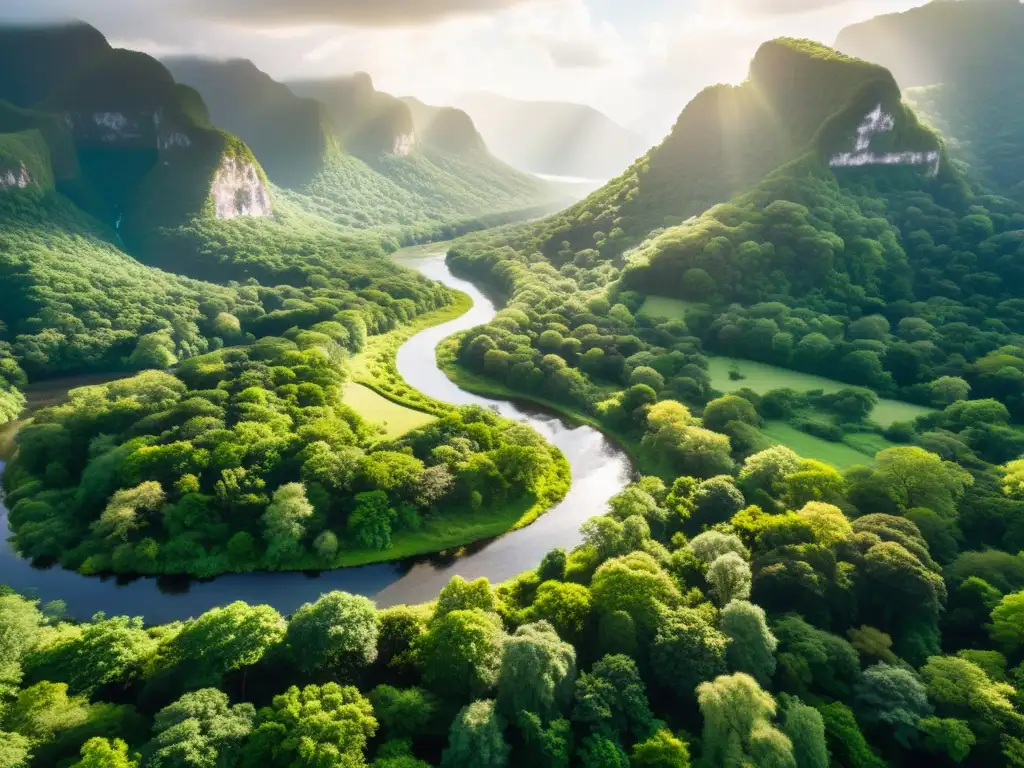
[600, 469]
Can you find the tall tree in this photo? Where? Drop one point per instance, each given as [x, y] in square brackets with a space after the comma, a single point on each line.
[200, 729]
[738, 726]
[476, 739]
[538, 671]
[338, 632]
[752, 646]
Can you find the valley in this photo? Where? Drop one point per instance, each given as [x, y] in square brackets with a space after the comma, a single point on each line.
[340, 428]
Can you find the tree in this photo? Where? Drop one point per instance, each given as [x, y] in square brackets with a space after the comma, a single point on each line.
[16, 752]
[947, 736]
[538, 671]
[338, 632]
[948, 390]
[546, 747]
[687, 651]
[103, 753]
[737, 724]
[828, 523]
[371, 520]
[1007, 627]
[716, 500]
[461, 654]
[43, 710]
[200, 729]
[895, 699]
[106, 651]
[20, 625]
[284, 522]
[220, 641]
[806, 731]
[767, 469]
[813, 481]
[730, 578]
[461, 595]
[662, 750]
[317, 726]
[476, 739]
[611, 701]
[752, 645]
[404, 713]
[121, 515]
[718, 413]
[812, 661]
[567, 607]
[711, 545]
[845, 741]
[916, 478]
[637, 585]
[598, 751]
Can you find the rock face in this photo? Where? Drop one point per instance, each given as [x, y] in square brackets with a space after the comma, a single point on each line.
[878, 122]
[238, 190]
[15, 179]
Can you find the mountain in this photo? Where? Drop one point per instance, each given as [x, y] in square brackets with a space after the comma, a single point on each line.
[339, 149]
[552, 138]
[290, 135]
[961, 63]
[810, 219]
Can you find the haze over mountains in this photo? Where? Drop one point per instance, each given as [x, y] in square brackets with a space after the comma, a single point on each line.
[553, 138]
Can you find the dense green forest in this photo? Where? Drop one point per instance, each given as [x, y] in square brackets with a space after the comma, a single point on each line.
[780, 615]
[248, 458]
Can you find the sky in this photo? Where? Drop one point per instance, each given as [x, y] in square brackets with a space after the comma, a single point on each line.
[639, 61]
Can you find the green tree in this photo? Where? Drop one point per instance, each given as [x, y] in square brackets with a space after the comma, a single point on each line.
[846, 743]
[947, 736]
[805, 729]
[687, 650]
[20, 625]
[104, 753]
[338, 632]
[15, 750]
[538, 671]
[461, 654]
[1007, 627]
[220, 641]
[372, 519]
[916, 478]
[730, 578]
[477, 738]
[637, 585]
[461, 595]
[597, 751]
[546, 747]
[200, 729]
[662, 750]
[404, 713]
[317, 726]
[284, 523]
[611, 701]
[894, 699]
[719, 413]
[716, 501]
[737, 724]
[711, 545]
[752, 645]
[567, 607]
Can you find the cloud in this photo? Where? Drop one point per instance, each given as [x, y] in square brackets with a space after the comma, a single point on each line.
[358, 13]
[772, 7]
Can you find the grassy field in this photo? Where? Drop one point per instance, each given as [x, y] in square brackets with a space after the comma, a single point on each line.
[394, 418]
[860, 449]
[761, 378]
[672, 309]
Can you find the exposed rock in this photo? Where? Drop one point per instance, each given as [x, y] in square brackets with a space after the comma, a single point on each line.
[238, 190]
[876, 122]
[15, 179]
[404, 144]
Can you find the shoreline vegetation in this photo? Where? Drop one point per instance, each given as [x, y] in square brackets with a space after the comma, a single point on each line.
[458, 525]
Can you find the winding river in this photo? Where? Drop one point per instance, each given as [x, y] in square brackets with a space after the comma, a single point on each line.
[600, 469]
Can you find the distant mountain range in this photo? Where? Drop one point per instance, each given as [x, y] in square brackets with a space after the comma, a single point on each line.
[553, 138]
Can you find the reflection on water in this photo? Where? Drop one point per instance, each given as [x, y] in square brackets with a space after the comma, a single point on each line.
[599, 470]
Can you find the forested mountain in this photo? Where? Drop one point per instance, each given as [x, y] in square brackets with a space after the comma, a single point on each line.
[960, 64]
[342, 150]
[291, 136]
[554, 138]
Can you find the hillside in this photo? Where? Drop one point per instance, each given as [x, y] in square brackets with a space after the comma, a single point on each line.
[960, 63]
[816, 225]
[552, 138]
[290, 135]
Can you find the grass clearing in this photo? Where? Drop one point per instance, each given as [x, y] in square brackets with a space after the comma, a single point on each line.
[761, 378]
[857, 449]
[377, 409]
[671, 309]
